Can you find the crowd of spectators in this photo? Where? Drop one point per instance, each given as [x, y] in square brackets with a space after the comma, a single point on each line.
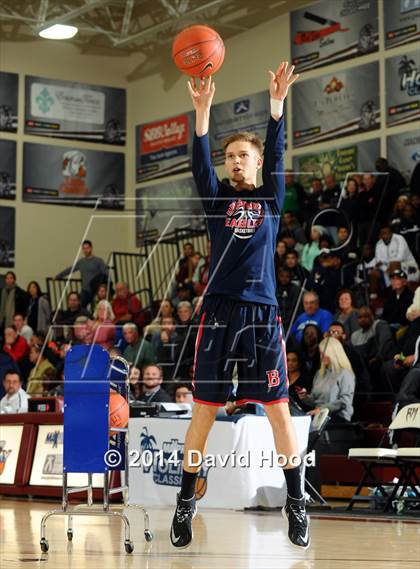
[349, 303]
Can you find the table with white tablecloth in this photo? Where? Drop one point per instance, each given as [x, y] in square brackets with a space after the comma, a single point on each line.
[240, 469]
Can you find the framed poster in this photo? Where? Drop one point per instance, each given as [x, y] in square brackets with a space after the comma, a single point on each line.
[10, 439]
[336, 104]
[403, 151]
[164, 207]
[65, 176]
[328, 32]
[402, 77]
[65, 109]
[401, 22]
[351, 158]
[7, 169]
[164, 147]
[8, 101]
[7, 237]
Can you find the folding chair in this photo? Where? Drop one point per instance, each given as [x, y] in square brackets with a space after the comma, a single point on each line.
[318, 425]
[406, 459]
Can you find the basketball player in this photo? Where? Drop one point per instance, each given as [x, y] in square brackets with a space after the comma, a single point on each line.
[239, 320]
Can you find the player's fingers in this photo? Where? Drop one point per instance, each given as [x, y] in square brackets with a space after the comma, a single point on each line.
[290, 72]
[293, 78]
[208, 84]
[285, 68]
[280, 68]
[192, 90]
[272, 76]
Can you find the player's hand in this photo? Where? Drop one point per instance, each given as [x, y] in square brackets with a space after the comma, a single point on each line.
[281, 80]
[202, 92]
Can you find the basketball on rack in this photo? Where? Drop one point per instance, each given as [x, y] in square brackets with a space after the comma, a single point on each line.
[119, 411]
[198, 51]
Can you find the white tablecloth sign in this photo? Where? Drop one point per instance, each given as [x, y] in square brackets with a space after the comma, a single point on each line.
[250, 440]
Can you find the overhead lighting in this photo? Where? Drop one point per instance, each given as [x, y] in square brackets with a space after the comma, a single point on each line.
[58, 32]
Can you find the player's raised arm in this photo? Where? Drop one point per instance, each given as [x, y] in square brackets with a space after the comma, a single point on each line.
[202, 93]
[273, 166]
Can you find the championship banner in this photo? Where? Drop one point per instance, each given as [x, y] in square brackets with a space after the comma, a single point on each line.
[403, 151]
[164, 207]
[164, 147]
[336, 104]
[339, 161]
[328, 32]
[10, 439]
[8, 101]
[69, 110]
[65, 176]
[401, 22]
[7, 169]
[250, 113]
[402, 75]
[7, 237]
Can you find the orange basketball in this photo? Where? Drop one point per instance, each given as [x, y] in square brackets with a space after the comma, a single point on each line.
[198, 51]
[119, 411]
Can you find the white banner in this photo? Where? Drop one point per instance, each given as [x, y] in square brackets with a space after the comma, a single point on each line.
[60, 102]
[10, 438]
[241, 470]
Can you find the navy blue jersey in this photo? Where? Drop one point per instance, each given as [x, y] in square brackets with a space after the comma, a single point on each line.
[243, 225]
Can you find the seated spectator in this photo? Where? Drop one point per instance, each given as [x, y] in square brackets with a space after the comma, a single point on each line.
[391, 249]
[299, 273]
[185, 339]
[165, 331]
[6, 363]
[153, 391]
[53, 381]
[369, 194]
[390, 182]
[102, 328]
[22, 328]
[348, 252]
[104, 292]
[167, 345]
[183, 293]
[35, 385]
[125, 305]
[331, 193]
[408, 225]
[186, 271]
[313, 200]
[346, 313]
[81, 332]
[67, 318]
[309, 348]
[367, 272]
[15, 399]
[38, 314]
[201, 274]
[334, 384]
[289, 240]
[311, 250]
[409, 391]
[288, 295]
[291, 224]
[166, 310]
[399, 299]
[328, 277]
[350, 203]
[280, 254]
[375, 344]
[312, 314]
[13, 300]
[139, 351]
[183, 393]
[187, 252]
[14, 345]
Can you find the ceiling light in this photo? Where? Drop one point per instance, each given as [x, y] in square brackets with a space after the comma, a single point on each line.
[58, 32]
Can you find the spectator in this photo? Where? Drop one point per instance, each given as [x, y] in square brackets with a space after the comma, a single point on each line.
[391, 249]
[296, 373]
[347, 314]
[67, 318]
[81, 332]
[404, 355]
[310, 351]
[13, 300]
[294, 197]
[375, 344]
[368, 202]
[38, 315]
[350, 203]
[328, 277]
[399, 299]
[347, 251]
[185, 339]
[299, 273]
[291, 225]
[126, 305]
[22, 328]
[201, 273]
[390, 183]
[312, 314]
[311, 250]
[166, 310]
[409, 391]
[367, 273]
[139, 351]
[153, 391]
[6, 363]
[165, 331]
[103, 327]
[37, 357]
[183, 293]
[289, 240]
[183, 393]
[93, 271]
[15, 399]
[332, 191]
[408, 225]
[167, 345]
[413, 311]
[14, 345]
[313, 200]
[288, 295]
[280, 255]
[334, 383]
[104, 292]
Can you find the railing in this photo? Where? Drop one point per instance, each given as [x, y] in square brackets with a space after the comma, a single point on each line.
[59, 289]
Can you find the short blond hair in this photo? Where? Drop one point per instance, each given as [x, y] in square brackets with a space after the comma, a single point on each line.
[245, 136]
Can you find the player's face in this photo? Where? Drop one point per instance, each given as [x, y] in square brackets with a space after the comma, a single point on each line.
[242, 161]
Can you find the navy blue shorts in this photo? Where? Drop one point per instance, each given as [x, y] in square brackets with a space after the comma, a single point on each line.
[250, 335]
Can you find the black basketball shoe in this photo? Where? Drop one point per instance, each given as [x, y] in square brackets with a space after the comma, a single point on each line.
[295, 512]
[181, 530]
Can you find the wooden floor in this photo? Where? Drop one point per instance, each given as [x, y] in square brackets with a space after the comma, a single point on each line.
[224, 539]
